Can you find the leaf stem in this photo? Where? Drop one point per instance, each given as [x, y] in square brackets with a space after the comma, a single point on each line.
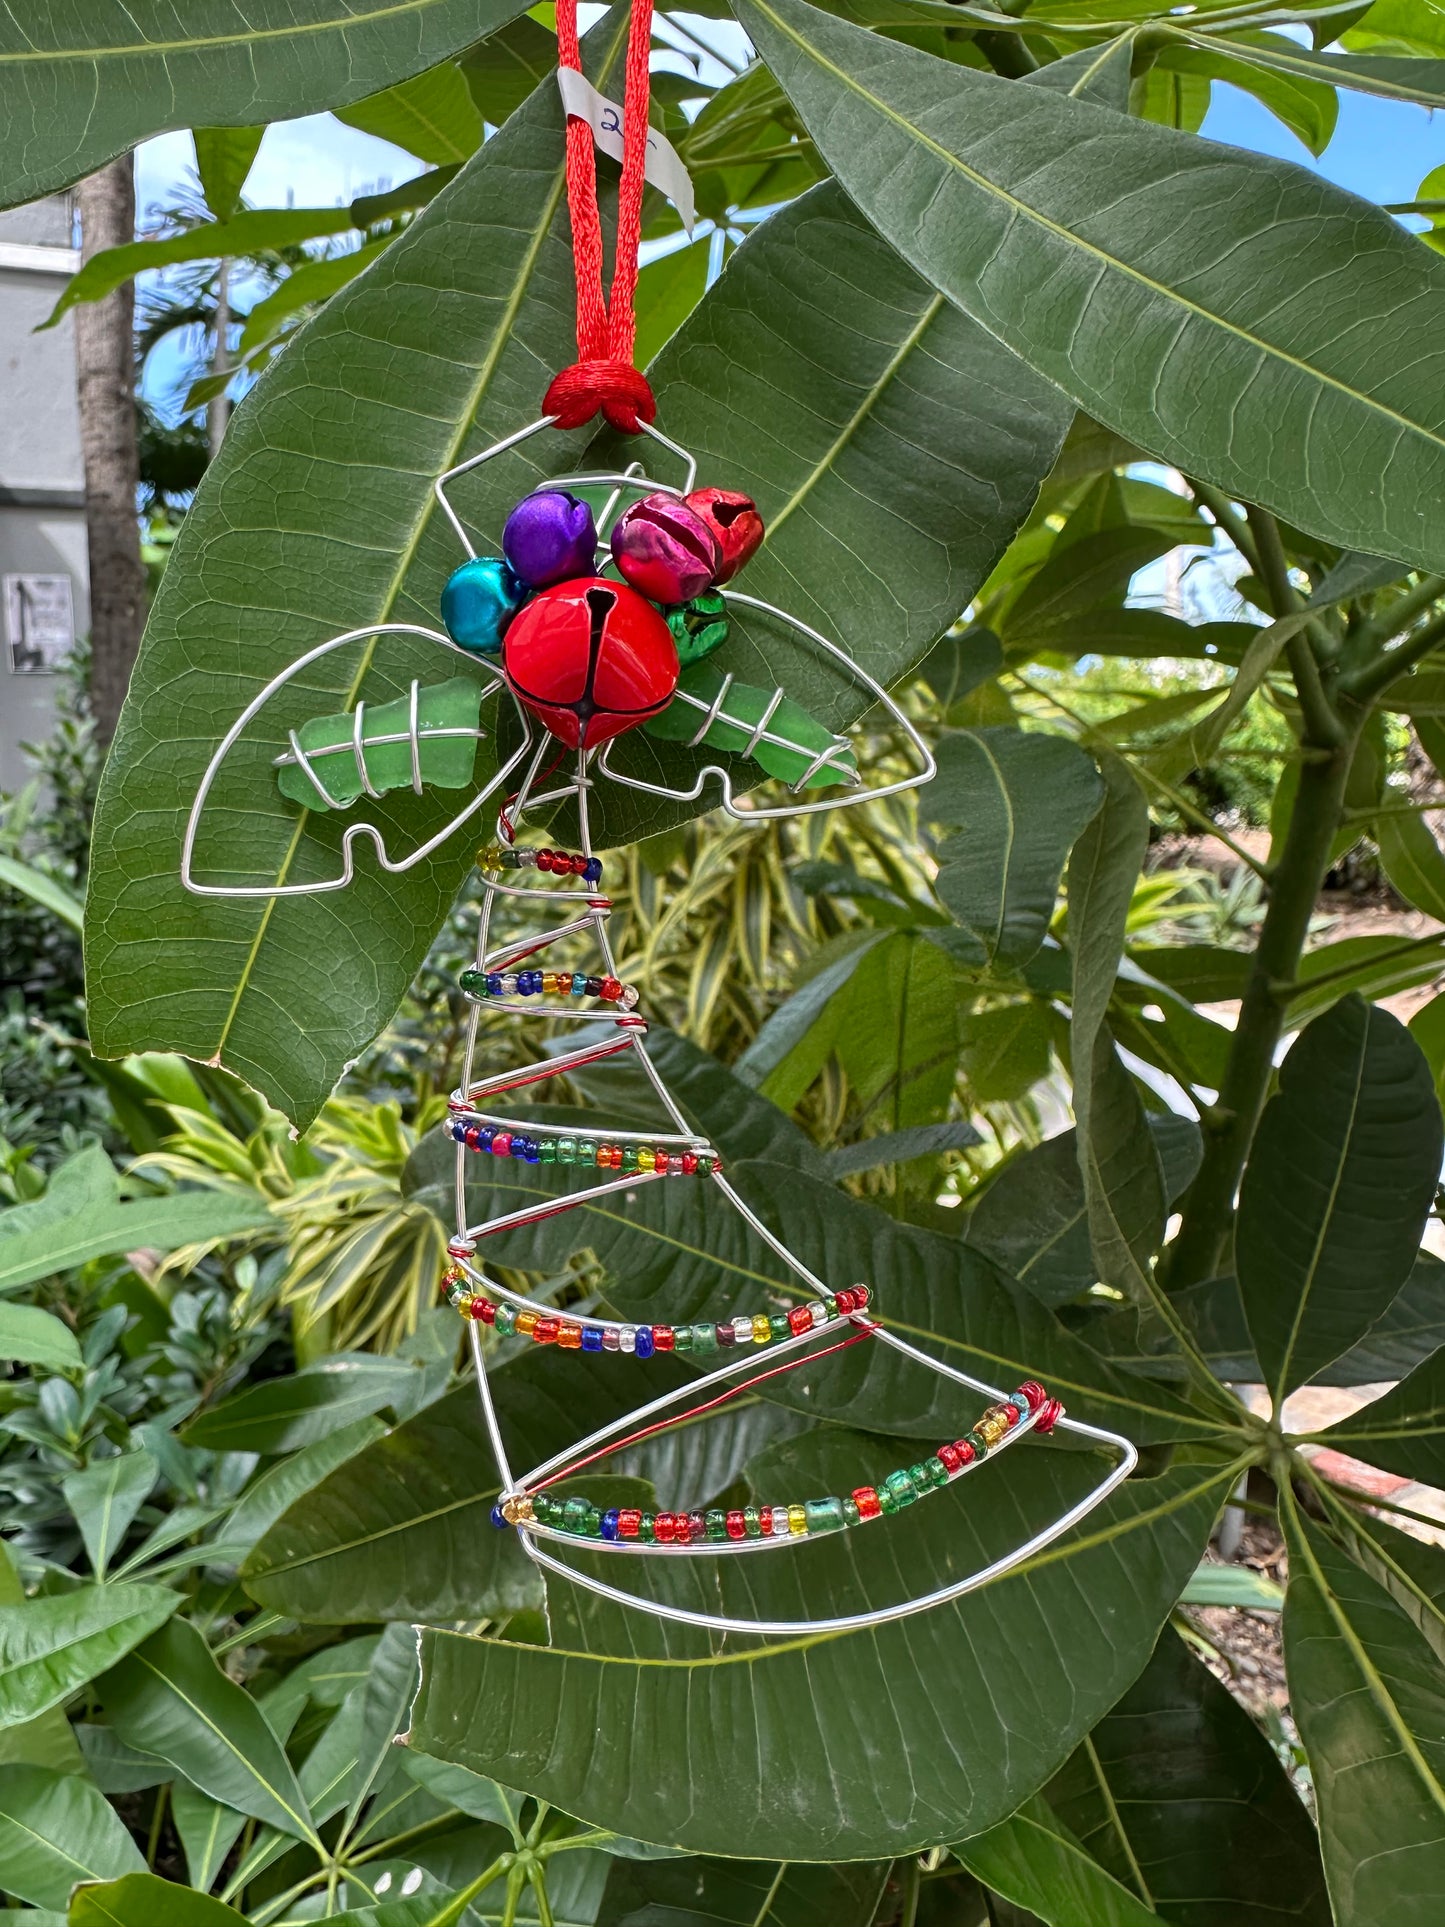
[1323, 725]
[1372, 678]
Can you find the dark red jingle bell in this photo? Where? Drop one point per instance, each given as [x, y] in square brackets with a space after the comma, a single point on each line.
[591, 658]
[736, 526]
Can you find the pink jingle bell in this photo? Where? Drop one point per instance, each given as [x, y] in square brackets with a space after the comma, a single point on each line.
[665, 549]
[591, 658]
[736, 526]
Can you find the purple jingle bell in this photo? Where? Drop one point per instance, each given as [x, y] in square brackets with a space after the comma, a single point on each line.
[665, 549]
[550, 536]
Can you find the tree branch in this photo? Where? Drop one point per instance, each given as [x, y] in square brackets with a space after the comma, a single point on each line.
[1373, 678]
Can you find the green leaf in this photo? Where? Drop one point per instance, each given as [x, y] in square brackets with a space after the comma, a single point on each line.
[207, 1830]
[1390, 79]
[1216, 1585]
[901, 1147]
[49, 1646]
[1019, 799]
[105, 1499]
[56, 1829]
[284, 1414]
[741, 1893]
[29, 1336]
[1404, 1430]
[847, 432]
[1180, 1796]
[1035, 1861]
[961, 171]
[1308, 106]
[508, 66]
[1099, 74]
[145, 1900]
[1365, 1690]
[897, 1033]
[1006, 1051]
[558, 1722]
[47, 891]
[280, 1486]
[1412, 859]
[1337, 1190]
[223, 160]
[433, 116]
[458, 1787]
[303, 288]
[668, 289]
[92, 84]
[81, 1217]
[171, 1698]
[797, 1038]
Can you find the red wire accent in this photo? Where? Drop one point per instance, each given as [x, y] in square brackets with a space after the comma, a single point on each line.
[603, 379]
[696, 1411]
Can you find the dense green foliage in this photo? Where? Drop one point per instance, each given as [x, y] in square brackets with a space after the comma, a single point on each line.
[968, 1045]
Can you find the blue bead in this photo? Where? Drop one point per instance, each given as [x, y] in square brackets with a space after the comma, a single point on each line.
[494, 985]
[459, 1131]
[519, 1145]
[591, 1338]
[644, 1341]
[609, 1524]
[534, 1152]
[593, 872]
[480, 599]
[485, 1136]
[579, 985]
[497, 1519]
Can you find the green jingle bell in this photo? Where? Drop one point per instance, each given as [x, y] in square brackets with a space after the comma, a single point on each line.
[698, 627]
[479, 601]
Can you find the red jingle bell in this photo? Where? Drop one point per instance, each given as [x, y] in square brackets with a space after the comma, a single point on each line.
[736, 526]
[665, 550]
[591, 658]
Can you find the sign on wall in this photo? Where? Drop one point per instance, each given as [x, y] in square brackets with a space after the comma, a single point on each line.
[39, 622]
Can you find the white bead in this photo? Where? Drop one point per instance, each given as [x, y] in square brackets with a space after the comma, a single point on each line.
[780, 1522]
[627, 1338]
[819, 1311]
[509, 986]
[628, 999]
[743, 1330]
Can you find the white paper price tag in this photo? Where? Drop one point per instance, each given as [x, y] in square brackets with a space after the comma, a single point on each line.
[664, 167]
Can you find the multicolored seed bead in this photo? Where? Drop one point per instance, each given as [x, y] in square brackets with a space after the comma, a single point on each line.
[469, 1130]
[482, 984]
[502, 856]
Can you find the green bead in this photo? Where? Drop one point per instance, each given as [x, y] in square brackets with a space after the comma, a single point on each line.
[474, 982]
[851, 1515]
[901, 1485]
[698, 627]
[825, 1515]
[506, 1320]
[629, 1157]
[566, 1150]
[779, 1327]
[574, 1515]
[886, 1499]
[547, 1151]
[586, 1152]
[704, 1339]
[682, 1339]
[594, 1522]
[716, 1523]
[705, 1164]
[830, 1305]
[647, 1529]
[937, 1471]
[752, 1522]
[980, 1445]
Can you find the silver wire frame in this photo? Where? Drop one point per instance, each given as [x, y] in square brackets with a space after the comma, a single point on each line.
[594, 910]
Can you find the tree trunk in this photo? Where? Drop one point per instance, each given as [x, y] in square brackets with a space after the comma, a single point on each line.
[105, 369]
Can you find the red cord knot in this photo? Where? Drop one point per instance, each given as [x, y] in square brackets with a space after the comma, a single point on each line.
[1049, 1415]
[615, 389]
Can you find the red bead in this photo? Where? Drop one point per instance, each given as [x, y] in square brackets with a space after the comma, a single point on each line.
[800, 1320]
[965, 1451]
[689, 1163]
[861, 1295]
[628, 1522]
[1010, 1415]
[579, 865]
[696, 1526]
[736, 526]
[867, 1501]
[544, 859]
[1034, 1393]
[1049, 1415]
[485, 1310]
[664, 1528]
[666, 549]
[545, 1330]
[765, 1521]
[501, 1144]
[661, 1163]
[611, 989]
[591, 658]
[952, 1458]
[845, 1301]
[663, 1338]
[737, 1526]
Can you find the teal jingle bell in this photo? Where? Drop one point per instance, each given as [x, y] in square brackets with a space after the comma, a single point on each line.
[479, 601]
[698, 627]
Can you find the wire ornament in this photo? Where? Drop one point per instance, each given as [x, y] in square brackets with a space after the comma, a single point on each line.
[673, 1153]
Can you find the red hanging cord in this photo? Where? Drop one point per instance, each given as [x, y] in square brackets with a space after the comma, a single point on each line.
[604, 378]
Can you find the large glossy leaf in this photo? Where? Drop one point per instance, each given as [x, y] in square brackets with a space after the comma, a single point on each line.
[145, 1900]
[56, 1829]
[762, 1743]
[1016, 801]
[49, 1739]
[740, 1893]
[1404, 1430]
[891, 444]
[1034, 1860]
[432, 116]
[402, 1529]
[1335, 1196]
[285, 1414]
[81, 1216]
[171, 1698]
[1179, 1795]
[79, 86]
[51, 1645]
[1365, 1689]
[263, 1502]
[1066, 229]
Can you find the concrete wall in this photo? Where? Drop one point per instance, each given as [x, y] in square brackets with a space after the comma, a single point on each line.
[42, 503]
